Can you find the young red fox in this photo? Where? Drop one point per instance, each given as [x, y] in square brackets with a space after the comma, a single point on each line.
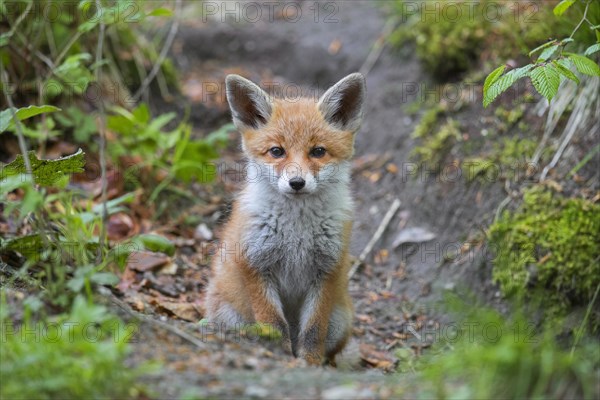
[284, 252]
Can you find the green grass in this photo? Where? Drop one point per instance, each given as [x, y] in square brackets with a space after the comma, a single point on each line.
[77, 355]
[509, 358]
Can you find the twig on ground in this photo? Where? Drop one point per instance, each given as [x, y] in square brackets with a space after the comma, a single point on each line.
[146, 318]
[163, 53]
[378, 47]
[376, 236]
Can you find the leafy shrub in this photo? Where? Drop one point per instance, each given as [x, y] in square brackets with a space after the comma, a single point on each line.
[553, 64]
[77, 355]
[550, 243]
[172, 152]
[61, 258]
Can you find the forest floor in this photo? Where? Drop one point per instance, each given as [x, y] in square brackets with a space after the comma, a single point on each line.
[405, 275]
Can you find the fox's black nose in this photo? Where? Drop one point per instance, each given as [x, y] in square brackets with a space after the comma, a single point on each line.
[297, 183]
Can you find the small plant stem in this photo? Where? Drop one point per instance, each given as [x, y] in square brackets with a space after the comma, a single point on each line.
[101, 131]
[579, 333]
[163, 53]
[20, 19]
[20, 137]
[584, 18]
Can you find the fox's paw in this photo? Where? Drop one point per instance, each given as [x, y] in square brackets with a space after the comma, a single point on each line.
[313, 358]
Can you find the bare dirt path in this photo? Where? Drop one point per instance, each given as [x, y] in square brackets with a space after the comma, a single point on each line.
[305, 48]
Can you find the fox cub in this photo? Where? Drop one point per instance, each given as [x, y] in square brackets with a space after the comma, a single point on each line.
[284, 252]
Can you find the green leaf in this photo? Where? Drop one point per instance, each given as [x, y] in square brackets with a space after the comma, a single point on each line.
[5, 38]
[156, 243]
[46, 172]
[547, 53]
[104, 278]
[592, 49]
[566, 72]
[28, 245]
[562, 7]
[584, 64]
[31, 200]
[161, 12]
[493, 77]
[74, 71]
[546, 80]
[88, 25]
[6, 118]
[12, 182]
[503, 83]
[542, 47]
[83, 124]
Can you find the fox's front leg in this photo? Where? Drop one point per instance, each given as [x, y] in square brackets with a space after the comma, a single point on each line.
[266, 304]
[314, 323]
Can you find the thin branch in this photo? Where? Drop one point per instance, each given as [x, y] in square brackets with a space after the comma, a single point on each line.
[146, 318]
[20, 19]
[63, 53]
[37, 53]
[376, 236]
[378, 47]
[163, 53]
[11, 105]
[587, 6]
[584, 18]
[101, 129]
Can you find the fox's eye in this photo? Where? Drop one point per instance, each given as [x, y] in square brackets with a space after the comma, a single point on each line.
[277, 152]
[317, 152]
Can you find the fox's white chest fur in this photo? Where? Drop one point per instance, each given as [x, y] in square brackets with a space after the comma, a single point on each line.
[293, 242]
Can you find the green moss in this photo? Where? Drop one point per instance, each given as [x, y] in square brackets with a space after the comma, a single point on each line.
[551, 244]
[515, 151]
[508, 160]
[435, 144]
[511, 116]
[452, 36]
[447, 38]
[427, 122]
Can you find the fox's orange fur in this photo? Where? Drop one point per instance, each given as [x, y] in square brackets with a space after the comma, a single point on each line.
[284, 251]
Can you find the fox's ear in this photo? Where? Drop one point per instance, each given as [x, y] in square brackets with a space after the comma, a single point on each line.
[249, 104]
[342, 104]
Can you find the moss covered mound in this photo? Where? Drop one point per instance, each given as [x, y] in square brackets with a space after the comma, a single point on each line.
[551, 244]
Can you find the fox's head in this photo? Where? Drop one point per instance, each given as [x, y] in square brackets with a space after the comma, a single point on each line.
[300, 144]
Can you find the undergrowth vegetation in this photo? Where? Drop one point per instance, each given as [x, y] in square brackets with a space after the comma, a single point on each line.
[94, 61]
[544, 247]
[489, 355]
[78, 354]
